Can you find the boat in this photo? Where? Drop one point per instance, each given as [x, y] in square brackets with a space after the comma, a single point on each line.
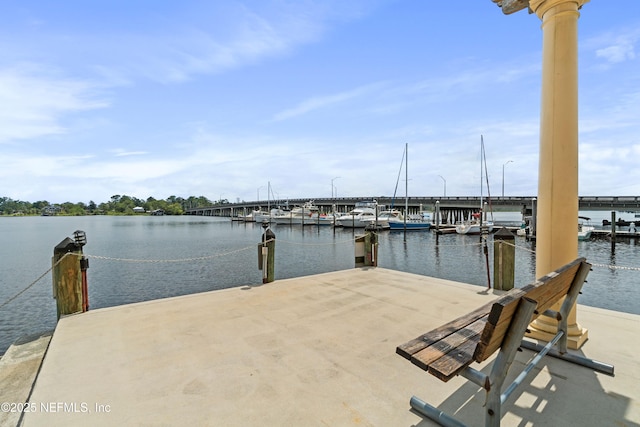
[260, 216]
[584, 229]
[359, 217]
[475, 225]
[307, 214]
[384, 219]
[478, 221]
[420, 221]
[246, 217]
[619, 223]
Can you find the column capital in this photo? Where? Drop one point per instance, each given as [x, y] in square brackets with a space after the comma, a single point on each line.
[540, 7]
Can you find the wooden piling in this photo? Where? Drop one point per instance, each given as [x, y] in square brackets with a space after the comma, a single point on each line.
[67, 278]
[504, 256]
[267, 255]
[613, 232]
[366, 250]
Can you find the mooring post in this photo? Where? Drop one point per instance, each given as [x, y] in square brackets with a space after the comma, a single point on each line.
[371, 249]
[613, 231]
[69, 276]
[366, 250]
[437, 215]
[267, 254]
[504, 259]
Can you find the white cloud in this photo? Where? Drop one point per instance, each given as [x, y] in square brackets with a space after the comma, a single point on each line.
[121, 152]
[244, 37]
[615, 47]
[617, 53]
[32, 104]
[319, 102]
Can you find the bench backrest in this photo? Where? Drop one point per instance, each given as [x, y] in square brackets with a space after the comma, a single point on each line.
[546, 291]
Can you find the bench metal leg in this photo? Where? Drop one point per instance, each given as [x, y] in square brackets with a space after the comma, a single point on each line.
[504, 359]
[543, 351]
[602, 367]
[434, 413]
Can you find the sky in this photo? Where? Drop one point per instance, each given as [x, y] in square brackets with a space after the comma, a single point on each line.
[307, 98]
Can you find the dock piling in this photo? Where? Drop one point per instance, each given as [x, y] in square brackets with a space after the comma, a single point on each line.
[267, 254]
[504, 255]
[366, 250]
[69, 276]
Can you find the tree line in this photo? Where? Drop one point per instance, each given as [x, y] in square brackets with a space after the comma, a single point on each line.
[117, 205]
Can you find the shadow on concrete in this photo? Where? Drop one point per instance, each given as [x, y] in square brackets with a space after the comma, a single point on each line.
[555, 392]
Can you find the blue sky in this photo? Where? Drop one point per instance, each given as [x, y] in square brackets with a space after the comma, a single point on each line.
[160, 98]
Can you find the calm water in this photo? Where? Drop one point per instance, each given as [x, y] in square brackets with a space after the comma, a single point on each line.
[141, 258]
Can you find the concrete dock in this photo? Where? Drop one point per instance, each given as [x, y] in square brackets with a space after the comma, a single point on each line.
[310, 351]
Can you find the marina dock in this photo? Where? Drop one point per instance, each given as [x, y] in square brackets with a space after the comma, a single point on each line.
[309, 351]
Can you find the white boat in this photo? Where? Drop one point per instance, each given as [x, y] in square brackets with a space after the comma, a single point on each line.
[384, 218]
[474, 226]
[584, 229]
[359, 217]
[307, 214]
[420, 221]
[478, 220]
[260, 216]
[416, 221]
[248, 217]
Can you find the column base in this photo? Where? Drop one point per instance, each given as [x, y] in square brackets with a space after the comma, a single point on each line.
[540, 330]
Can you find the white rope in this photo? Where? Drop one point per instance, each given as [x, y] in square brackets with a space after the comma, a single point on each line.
[201, 258]
[616, 267]
[38, 279]
[340, 242]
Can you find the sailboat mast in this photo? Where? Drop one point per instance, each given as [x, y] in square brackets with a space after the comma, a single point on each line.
[481, 169]
[406, 187]
[481, 179]
[406, 177]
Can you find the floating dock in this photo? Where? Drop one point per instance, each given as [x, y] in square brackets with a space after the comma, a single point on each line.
[309, 351]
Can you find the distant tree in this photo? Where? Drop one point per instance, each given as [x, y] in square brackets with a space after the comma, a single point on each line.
[173, 209]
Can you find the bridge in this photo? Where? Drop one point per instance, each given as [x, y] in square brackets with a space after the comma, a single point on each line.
[344, 204]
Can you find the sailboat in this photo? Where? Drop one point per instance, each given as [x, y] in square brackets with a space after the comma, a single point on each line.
[408, 222]
[474, 225]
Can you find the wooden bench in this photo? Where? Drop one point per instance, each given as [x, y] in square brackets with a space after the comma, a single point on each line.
[448, 351]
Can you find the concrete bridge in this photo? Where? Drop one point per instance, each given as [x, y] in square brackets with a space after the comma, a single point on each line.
[344, 204]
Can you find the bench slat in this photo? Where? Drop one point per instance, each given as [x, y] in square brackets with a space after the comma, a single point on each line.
[546, 292]
[453, 362]
[408, 349]
[429, 355]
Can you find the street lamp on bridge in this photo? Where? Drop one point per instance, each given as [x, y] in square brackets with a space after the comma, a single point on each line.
[332, 186]
[445, 185]
[506, 163]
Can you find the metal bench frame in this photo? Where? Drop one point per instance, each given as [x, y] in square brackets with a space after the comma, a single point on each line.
[493, 383]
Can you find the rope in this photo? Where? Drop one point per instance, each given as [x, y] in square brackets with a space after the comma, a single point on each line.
[609, 266]
[201, 258]
[121, 260]
[340, 242]
[616, 267]
[38, 279]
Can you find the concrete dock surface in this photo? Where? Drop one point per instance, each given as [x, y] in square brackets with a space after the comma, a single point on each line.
[311, 351]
